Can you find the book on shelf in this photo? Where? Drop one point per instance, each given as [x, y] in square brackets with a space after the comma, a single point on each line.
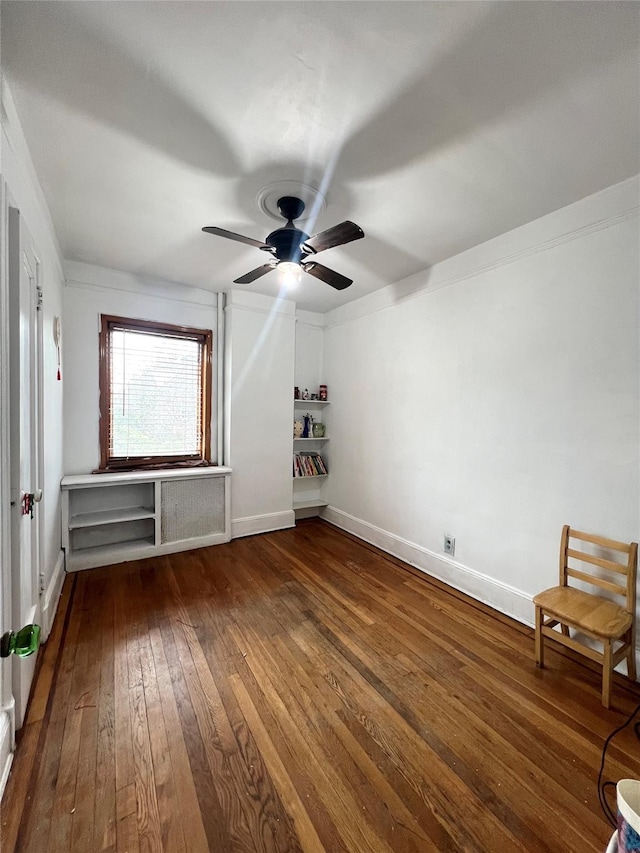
[309, 464]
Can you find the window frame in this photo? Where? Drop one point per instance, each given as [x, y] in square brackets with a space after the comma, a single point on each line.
[108, 323]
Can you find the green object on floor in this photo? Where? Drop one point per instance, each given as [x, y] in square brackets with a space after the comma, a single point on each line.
[23, 644]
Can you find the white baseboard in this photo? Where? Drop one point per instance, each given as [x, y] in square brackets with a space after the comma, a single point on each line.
[501, 596]
[52, 596]
[252, 524]
[6, 746]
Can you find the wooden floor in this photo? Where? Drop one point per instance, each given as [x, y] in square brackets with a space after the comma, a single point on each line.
[302, 691]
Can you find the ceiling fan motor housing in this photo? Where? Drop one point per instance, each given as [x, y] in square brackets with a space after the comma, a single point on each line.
[287, 241]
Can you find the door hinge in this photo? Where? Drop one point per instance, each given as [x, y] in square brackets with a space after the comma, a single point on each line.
[41, 583]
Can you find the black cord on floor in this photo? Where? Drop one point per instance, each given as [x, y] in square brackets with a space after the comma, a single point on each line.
[604, 786]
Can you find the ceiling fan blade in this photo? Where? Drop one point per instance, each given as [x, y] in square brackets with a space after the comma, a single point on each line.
[345, 232]
[231, 235]
[340, 282]
[254, 274]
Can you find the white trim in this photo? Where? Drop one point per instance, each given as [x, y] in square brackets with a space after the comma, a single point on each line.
[119, 282]
[309, 319]
[6, 747]
[73, 284]
[256, 303]
[501, 596]
[52, 596]
[220, 378]
[7, 704]
[252, 524]
[80, 561]
[267, 312]
[92, 481]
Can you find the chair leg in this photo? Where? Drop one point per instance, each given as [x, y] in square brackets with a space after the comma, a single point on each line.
[565, 630]
[631, 655]
[539, 639]
[607, 669]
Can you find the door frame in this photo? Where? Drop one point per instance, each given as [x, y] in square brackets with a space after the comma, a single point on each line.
[7, 703]
[26, 569]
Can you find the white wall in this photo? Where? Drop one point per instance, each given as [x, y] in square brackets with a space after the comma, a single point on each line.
[309, 351]
[89, 292]
[495, 398]
[260, 334]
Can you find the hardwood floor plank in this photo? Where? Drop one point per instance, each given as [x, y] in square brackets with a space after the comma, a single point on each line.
[127, 838]
[87, 706]
[148, 813]
[104, 829]
[212, 815]
[64, 797]
[309, 840]
[185, 792]
[303, 691]
[122, 720]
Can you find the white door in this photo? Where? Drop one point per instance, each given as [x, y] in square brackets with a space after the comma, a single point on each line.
[25, 397]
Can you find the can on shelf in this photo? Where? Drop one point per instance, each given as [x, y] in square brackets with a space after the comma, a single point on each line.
[323, 392]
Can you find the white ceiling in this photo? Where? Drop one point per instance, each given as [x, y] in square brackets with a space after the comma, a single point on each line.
[433, 125]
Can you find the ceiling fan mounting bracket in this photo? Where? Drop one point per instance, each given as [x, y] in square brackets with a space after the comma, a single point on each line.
[269, 196]
[291, 207]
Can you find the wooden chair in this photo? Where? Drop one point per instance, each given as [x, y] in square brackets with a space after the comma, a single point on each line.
[592, 615]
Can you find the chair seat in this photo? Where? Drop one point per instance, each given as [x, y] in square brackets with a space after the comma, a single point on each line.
[592, 613]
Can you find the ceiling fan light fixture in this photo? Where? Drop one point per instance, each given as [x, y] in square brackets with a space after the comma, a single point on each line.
[290, 273]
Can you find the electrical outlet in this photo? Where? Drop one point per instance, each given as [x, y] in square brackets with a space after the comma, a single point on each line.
[449, 545]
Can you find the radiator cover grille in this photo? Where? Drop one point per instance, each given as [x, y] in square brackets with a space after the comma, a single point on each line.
[192, 508]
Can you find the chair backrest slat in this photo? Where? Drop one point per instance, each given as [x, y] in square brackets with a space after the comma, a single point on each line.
[596, 581]
[598, 561]
[629, 568]
[612, 544]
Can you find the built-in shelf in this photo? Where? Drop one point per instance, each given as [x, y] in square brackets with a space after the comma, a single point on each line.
[116, 552]
[110, 516]
[311, 477]
[309, 504]
[307, 500]
[115, 548]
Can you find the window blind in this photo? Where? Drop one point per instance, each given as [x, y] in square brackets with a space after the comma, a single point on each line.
[156, 393]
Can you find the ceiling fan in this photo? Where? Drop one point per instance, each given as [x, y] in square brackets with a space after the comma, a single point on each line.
[291, 249]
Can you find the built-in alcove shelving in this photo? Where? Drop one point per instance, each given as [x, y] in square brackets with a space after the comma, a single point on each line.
[307, 488]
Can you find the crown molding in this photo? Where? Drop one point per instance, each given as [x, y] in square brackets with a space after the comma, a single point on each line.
[256, 303]
[95, 278]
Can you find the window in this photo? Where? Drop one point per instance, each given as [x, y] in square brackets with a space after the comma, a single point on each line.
[155, 394]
